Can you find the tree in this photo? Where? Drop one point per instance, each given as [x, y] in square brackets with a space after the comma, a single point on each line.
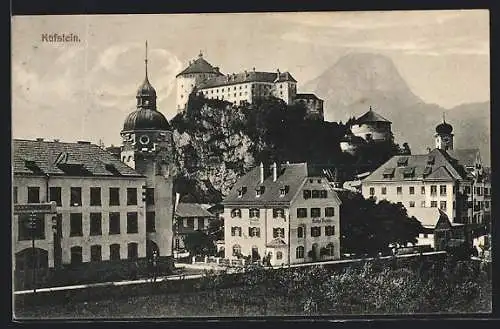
[216, 229]
[199, 243]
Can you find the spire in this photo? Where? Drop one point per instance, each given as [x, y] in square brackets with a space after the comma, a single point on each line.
[146, 59]
[370, 107]
[444, 121]
[200, 55]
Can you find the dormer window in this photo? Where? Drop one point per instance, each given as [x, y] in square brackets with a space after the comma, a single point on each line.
[307, 194]
[236, 213]
[403, 162]
[241, 191]
[284, 190]
[430, 160]
[259, 191]
[427, 170]
[388, 172]
[409, 172]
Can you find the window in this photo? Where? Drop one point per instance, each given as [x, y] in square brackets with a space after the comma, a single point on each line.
[131, 196]
[433, 190]
[75, 224]
[384, 190]
[279, 255]
[278, 213]
[132, 223]
[486, 191]
[330, 249]
[95, 253]
[442, 190]
[114, 223]
[114, 252]
[236, 213]
[76, 255]
[95, 196]
[201, 223]
[254, 232]
[315, 212]
[422, 190]
[150, 196]
[236, 250]
[411, 190]
[306, 194]
[486, 204]
[299, 252]
[190, 223]
[467, 189]
[33, 194]
[254, 213]
[132, 252]
[278, 232]
[114, 196]
[95, 223]
[455, 205]
[372, 191]
[55, 195]
[300, 232]
[442, 205]
[329, 211]
[14, 194]
[315, 231]
[329, 230]
[26, 231]
[76, 196]
[412, 204]
[301, 212]
[399, 190]
[323, 194]
[434, 204]
[315, 194]
[235, 231]
[150, 222]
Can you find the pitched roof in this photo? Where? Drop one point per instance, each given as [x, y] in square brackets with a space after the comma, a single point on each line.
[200, 65]
[307, 96]
[291, 177]
[191, 210]
[371, 116]
[466, 157]
[434, 166]
[66, 159]
[428, 217]
[244, 77]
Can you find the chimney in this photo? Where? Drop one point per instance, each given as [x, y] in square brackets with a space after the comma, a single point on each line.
[216, 69]
[261, 173]
[275, 172]
[39, 139]
[56, 140]
[253, 69]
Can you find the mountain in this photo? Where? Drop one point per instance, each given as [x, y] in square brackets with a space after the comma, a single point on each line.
[360, 80]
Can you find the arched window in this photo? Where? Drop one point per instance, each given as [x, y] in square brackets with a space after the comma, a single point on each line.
[132, 250]
[254, 213]
[279, 255]
[299, 252]
[76, 255]
[236, 250]
[114, 252]
[330, 249]
[300, 232]
[95, 253]
[236, 213]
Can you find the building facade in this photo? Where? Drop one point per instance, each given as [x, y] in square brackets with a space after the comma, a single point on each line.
[239, 88]
[288, 214]
[189, 217]
[99, 215]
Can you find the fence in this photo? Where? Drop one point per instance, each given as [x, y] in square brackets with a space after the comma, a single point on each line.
[218, 261]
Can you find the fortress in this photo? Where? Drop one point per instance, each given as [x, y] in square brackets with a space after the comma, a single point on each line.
[241, 88]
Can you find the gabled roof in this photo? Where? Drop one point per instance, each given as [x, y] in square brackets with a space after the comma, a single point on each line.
[244, 77]
[66, 159]
[191, 210]
[434, 166]
[200, 65]
[371, 116]
[307, 96]
[291, 178]
[466, 157]
[443, 221]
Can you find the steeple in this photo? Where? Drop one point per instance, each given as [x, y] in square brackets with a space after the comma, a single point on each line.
[444, 135]
[146, 94]
[200, 55]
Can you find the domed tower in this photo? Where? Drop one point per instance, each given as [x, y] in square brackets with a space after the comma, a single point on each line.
[148, 148]
[444, 136]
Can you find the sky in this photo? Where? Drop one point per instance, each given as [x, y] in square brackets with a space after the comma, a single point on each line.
[85, 90]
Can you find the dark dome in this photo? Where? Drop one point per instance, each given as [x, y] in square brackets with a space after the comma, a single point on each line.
[146, 119]
[444, 128]
[146, 89]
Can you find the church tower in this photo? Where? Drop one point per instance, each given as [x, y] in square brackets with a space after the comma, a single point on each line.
[444, 136]
[148, 148]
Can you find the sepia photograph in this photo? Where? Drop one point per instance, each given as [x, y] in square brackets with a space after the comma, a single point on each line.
[251, 165]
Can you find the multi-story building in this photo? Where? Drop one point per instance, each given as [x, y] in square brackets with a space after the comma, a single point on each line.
[99, 209]
[313, 105]
[427, 182]
[189, 217]
[239, 88]
[289, 214]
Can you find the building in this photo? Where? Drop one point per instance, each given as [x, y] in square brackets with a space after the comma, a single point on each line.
[189, 217]
[289, 214]
[425, 183]
[313, 105]
[239, 88]
[450, 235]
[148, 149]
[99, 217]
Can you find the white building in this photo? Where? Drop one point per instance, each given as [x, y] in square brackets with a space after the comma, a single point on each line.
[289, 213]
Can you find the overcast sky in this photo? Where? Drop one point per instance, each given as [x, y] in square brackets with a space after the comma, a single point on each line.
[84, 91]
